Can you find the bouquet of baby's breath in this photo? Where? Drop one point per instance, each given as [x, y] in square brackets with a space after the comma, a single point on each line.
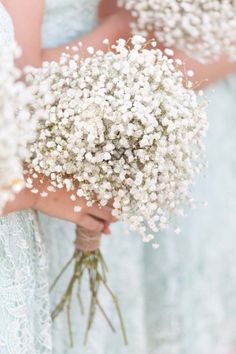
[16, 126]
[204, 29]
[122, 125]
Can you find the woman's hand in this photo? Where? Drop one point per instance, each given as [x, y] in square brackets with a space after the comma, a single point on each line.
[59, 205]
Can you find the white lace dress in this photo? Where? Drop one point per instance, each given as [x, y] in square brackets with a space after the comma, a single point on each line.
[24, 302]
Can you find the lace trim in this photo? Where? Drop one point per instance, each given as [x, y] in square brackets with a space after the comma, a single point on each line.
[24, 304]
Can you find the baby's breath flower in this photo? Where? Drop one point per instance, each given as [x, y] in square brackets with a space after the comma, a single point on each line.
[122, 126]
[204, 29]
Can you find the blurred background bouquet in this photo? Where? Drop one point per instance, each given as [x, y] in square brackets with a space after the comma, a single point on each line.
[17, 125]
[203, 29]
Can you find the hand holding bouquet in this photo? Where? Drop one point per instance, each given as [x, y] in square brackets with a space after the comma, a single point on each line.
[122, 126]
[203, 29]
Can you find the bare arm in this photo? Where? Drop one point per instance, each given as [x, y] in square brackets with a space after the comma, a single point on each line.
[28, 17]
[207, 74]
[107, 8]
[59, 205]
[113, 27]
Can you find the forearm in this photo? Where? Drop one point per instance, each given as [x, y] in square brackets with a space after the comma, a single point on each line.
[106, 8]
[207, 74]
[114, 27]
[23, 200]
[28, 32]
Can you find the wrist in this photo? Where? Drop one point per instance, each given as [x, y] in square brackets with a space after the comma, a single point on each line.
[122, 19]
[25, 199]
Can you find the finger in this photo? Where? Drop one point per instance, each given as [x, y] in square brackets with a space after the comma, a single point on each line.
[103, 213]
[110, 203]
[90, 223]
[106, 230]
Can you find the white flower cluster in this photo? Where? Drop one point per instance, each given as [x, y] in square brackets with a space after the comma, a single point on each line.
[121, 124]
[16, 126]
[203, 28]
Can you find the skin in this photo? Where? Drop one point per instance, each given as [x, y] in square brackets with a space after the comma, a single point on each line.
[207, 74]
[114, 26]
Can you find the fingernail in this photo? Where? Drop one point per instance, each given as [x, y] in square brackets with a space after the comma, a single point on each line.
[107, 230]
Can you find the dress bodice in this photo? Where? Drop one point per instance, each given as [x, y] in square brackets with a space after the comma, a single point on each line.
[67, 19]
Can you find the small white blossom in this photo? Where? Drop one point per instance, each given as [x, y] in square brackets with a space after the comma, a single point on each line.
[190, 73]
[203, 28]
[90, 50]
[77, 209]
[44, 194]
[106, 41]
[177, 230]
[155, 245]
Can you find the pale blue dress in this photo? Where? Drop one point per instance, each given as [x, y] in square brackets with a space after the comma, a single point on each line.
[177, 300]
[181, 298]
[190, 283]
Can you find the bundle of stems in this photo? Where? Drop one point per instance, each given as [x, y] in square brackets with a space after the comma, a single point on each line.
[90, 261]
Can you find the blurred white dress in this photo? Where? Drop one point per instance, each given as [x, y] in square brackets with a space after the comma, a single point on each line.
[24, 300]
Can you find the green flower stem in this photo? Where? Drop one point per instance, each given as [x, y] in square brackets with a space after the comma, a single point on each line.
[61, 273]
[93, 263]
